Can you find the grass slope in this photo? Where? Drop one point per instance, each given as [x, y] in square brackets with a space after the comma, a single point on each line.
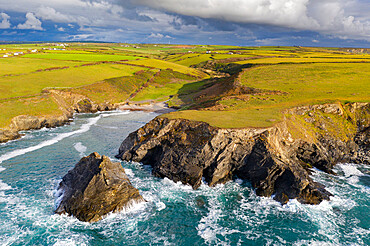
[297, 84]
[209, 83]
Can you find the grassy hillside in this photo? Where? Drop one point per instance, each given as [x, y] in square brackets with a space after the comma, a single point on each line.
[226, 86]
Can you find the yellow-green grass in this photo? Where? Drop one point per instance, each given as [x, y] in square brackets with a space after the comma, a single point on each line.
[81, 57]
[163, 84]
[37, 106]
[164, 65]
[257, 117]
[193, 59]
[67, 51]
[102, 92]
[313, 82]
[278, 60]
[294, 85]
[34, 83]
[19, 65]
[143, 50]
[160, 93]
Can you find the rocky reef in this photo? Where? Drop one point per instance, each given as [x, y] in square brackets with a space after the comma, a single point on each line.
[95, 187]
[276, 160]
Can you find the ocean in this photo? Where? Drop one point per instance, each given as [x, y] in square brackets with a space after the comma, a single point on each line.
[174, 214]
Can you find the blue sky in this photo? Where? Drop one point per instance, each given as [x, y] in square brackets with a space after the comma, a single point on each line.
[233, 22]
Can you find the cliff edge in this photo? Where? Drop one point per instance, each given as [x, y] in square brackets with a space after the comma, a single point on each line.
[276, 160]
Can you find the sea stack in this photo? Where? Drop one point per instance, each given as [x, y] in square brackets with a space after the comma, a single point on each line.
[95, 187]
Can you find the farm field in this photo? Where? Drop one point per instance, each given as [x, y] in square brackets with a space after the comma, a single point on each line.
[81, 57]
[206, 82]
[282, 87]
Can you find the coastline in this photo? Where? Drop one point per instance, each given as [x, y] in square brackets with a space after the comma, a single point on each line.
[27, 122]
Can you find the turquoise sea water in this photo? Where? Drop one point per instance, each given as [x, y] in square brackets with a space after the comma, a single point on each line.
[174, 214]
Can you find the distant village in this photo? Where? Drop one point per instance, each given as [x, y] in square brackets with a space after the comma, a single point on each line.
[55, 46]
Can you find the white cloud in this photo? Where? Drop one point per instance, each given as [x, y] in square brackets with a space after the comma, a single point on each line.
[329, 16]
[4, 24]
[31, 23]
[192, 19]
[61, 29]
[159, 36]
[156, 35]
[79, 37]
[48, 13]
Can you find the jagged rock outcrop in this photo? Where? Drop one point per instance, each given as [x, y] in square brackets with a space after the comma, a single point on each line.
[275, 160]
[95, 187]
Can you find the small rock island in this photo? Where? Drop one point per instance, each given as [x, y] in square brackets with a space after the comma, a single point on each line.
[95, 187]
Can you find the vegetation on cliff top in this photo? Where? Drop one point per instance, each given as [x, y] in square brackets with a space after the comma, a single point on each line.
[226, 86]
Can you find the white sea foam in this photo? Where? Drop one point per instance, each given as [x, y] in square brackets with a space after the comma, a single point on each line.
[160, 206]
[350, 170]
[4, 186]
[133, 207]
[59, 137]
[66, 242]
[129, 172]
[115, 113]
[58, 195]
[80, 148]
[2, 168]
[313, 243]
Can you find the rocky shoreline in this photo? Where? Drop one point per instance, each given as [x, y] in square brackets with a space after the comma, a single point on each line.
[70, 103]
[276, 160]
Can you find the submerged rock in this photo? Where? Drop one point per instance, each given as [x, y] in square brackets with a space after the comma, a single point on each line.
[272, 159]
[95, 187]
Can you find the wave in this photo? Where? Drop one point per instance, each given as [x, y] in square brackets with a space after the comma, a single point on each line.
[80, 148]
[18, 152]
[115, 113]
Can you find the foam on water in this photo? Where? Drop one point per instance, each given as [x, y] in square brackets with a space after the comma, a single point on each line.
[350, 170]
[84, 128]
[175, 214]
[129, 172]
[115, 113]
[80, 148]
[4, 186]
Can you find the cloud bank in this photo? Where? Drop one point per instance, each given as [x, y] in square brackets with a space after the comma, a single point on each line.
[329, 16]
[191, 21]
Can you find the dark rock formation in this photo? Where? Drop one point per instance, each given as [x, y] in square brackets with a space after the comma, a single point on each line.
[26, 122]
[274, 160]
[95, 187]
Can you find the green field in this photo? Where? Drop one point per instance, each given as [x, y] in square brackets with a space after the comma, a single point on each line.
[226, 86]
[81, 57]
[34, 83]
[286, 86]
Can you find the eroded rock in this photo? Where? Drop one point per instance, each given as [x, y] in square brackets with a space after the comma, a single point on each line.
[95, 187]
[272, 159]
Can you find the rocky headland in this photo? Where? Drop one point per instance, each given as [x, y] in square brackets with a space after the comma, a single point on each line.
[95, 187]
[276, 160]
[70, 103]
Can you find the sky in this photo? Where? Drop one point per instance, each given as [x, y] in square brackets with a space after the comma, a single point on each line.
[335, 23]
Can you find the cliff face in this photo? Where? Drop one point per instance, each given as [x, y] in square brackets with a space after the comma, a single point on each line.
[95, 187]
[68, 102]
[275, 160]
